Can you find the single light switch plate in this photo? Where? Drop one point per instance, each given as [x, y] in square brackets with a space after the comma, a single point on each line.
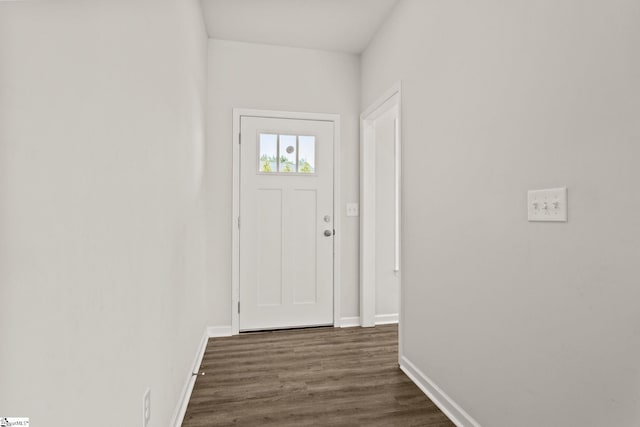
[353, 209]
[547, 205]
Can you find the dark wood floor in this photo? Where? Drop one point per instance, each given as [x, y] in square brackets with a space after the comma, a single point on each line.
[308, 377]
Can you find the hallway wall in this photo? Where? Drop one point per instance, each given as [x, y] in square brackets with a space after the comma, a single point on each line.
[522, 324]
[247, 75]
[101, 208]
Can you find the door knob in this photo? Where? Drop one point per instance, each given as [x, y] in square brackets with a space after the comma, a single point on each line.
[328, 233]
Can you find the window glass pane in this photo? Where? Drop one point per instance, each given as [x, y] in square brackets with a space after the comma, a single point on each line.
[288, 153]
[268, 153]
[307, 154]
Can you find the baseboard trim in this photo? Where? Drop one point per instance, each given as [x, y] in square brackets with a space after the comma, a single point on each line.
[451, 409]
[349, 322]
[181, 409]
[385, 319]
[219, 331]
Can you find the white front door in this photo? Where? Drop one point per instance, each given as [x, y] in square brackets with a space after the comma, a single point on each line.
[286, 223]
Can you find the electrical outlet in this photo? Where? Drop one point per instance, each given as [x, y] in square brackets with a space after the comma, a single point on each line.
[146, 407]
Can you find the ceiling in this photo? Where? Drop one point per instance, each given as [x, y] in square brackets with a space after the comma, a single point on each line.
[336, 25]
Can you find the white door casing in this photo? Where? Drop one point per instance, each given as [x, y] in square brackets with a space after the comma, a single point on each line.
[284, 231]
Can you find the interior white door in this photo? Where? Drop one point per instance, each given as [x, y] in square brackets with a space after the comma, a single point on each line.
[387, 267]
[286, 223]
[380, 164]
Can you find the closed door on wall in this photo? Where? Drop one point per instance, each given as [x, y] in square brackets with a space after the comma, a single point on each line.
[387, 266]
[380, 220]
[286, 223]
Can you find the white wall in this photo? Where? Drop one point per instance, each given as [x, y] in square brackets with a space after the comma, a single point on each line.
[101, 208]
[526, 324]
[246, 75]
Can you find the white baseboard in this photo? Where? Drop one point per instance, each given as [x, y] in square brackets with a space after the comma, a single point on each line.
[181, 409]
[385, 319]
[380, 319]
[451, 409]
[349, 322]
[219, 331]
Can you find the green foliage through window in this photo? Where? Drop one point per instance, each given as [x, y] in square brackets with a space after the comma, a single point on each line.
[306, 167]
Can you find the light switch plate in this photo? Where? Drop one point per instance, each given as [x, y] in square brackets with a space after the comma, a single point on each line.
[547, 205]
[353, 209]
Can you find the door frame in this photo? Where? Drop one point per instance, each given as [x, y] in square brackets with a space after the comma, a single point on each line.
[238, 113]
[392, 98]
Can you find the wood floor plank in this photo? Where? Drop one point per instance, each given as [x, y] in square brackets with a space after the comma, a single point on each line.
[308, 377]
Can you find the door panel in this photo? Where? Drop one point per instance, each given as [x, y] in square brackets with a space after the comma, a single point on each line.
[387, 280]
[304, 246]
[269, 247]
[286, 206]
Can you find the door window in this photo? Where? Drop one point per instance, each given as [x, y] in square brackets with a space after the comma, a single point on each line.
[287, 154]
